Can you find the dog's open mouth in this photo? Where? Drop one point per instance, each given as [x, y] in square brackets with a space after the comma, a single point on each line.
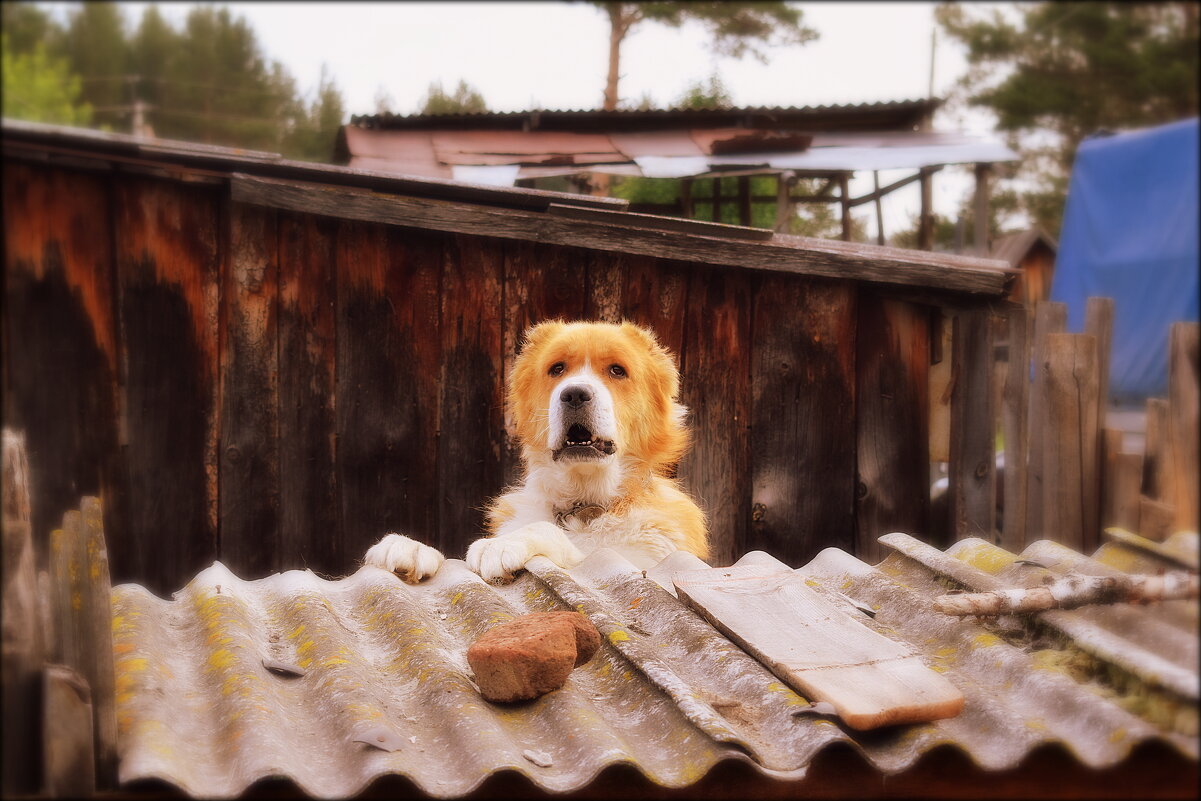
[581, 444]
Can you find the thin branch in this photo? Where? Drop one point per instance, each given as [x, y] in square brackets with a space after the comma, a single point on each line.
[1072, 591]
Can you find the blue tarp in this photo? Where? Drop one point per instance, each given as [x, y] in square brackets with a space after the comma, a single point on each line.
[1130, 233]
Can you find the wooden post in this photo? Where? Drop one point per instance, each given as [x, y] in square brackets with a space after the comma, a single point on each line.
[1014, 427]
[98, 667]
[1121, 475]
[879, 209]
[973, 445]
[67, 748]
[980, 238]
[1070, 458]
[686, 206]
[1159, 480]
[925, 231]
[1049, 318]
[717, 199]
[1098, 321]
[744, 199]
[785, 208]
[845, 198]
[23, 644]
[1184, 375]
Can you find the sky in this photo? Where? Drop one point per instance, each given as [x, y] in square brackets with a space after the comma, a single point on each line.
[554, 55]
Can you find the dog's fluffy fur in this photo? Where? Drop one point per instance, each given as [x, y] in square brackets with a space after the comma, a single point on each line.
[595, 410]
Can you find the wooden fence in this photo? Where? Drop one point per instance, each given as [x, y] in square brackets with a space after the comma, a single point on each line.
[1066, 476]
[275, 372]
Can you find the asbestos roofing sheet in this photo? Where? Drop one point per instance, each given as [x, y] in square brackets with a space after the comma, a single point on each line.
[385, 687]
[521, 142]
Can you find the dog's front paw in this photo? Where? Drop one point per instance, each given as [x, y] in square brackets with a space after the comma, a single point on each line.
[498, 558]
[405, 557]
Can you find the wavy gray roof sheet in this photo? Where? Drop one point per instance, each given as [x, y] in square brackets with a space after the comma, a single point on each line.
[386, 688]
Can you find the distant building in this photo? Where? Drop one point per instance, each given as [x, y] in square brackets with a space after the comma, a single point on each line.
[577, 150]
[1033, 252]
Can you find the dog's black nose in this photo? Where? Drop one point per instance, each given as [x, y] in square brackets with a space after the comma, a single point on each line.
[575, 395]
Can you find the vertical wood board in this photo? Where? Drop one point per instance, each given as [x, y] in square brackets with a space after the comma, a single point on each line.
[892, 439]
[308, 487]
[802, 417]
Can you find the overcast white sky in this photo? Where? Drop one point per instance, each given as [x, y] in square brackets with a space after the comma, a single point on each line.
[553, 55]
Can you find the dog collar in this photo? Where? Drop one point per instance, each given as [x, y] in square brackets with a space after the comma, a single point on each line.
[584, 512]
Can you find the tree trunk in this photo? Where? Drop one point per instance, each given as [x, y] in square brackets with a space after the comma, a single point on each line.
[618, 25]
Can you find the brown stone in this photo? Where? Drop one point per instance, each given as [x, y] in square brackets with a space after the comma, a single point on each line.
[531, 655]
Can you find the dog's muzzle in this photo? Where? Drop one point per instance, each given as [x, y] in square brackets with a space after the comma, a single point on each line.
[579, 442]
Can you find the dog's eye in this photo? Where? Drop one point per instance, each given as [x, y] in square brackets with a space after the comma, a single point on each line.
[556, 369]
[617, 371]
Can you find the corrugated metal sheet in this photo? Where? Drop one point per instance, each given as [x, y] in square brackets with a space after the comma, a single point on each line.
[384, 663]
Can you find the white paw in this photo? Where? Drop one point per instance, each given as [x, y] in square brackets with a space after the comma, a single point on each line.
[498, 558]
[405, 557]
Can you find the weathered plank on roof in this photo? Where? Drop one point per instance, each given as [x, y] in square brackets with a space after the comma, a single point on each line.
[870, 680]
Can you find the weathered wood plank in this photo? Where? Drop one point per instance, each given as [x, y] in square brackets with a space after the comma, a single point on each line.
[1121, 477]
[892, 361]
[1015, 430]
[470, 449]
[1155, 518]
[1184, 401]
[656, 297]
[541, 283]
[308, 486]
[971, 471]
[388, 348]
[1049, 318]
[816, 257]
[249, 458]
[715, 385]
[98, 666]
[816, 647]
[1070, 455]
[68, 751]
[61, 350]
[1098, 321]
[168, 274]
[802, 417]
[23, 634]
[607, 286]
[66, 600]
[939, 393]
[1159, 480]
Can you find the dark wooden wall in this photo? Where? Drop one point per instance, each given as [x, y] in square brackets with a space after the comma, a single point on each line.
[277, 390]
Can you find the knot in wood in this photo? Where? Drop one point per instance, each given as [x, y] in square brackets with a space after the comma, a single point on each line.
[982, 470]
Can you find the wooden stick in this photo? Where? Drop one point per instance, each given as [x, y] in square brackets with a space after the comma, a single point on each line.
[1072, 591]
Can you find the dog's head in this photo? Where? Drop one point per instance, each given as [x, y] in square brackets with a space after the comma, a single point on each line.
[591, 392]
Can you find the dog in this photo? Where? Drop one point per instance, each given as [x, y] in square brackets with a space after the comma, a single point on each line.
[596, 413]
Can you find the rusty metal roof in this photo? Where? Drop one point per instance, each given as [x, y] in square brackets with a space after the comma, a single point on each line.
[386, 687]
[890, 115]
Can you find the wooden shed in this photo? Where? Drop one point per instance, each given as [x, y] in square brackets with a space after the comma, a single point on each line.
[273, 363]
[1032, 252]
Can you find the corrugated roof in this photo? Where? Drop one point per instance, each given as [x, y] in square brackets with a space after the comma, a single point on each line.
[666, 152]
[384, 663]
[876, 116]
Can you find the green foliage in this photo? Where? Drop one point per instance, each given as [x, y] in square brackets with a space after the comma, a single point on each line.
[702, 95]
[813, 219]
[40, 88]
[1074, 69]
[736, 29]
[465, 100]
[208, 81]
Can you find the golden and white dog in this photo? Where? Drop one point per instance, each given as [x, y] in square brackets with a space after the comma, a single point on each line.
[595, 410]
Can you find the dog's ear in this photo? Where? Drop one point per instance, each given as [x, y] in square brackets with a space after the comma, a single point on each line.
[666, 359]
[540, 332]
